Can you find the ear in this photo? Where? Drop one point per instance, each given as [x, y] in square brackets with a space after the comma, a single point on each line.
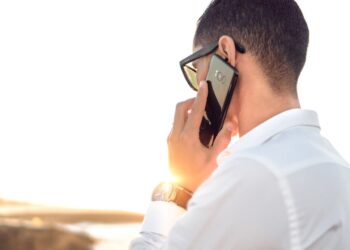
[227, 49]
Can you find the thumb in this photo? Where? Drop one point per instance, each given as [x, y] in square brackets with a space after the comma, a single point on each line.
[223, 139]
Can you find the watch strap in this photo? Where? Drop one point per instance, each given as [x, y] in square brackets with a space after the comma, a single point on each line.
[172, 192]
[182, 197]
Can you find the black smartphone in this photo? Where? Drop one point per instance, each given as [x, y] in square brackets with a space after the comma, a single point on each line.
[221, 78]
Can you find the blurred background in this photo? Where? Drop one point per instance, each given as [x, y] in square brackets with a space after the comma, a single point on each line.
[87, 95]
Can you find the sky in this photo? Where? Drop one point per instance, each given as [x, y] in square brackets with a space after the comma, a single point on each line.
[88, 91]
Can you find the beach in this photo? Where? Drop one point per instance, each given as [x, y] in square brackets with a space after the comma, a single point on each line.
[26, 226]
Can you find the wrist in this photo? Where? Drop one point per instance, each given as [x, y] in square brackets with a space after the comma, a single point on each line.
[191, 185]
[172, 192]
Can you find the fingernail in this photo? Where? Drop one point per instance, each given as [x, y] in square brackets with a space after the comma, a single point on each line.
[201, 84]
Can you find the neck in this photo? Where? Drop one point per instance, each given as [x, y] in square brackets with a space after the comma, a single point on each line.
[262, 109]
[254, 100]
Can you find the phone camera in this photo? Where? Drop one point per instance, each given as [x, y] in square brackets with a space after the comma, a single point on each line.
[220, 76]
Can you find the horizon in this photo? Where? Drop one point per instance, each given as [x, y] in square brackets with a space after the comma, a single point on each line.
[88, 93]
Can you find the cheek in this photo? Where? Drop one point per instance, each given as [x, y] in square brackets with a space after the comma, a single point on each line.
[202, 70]
[201, 74]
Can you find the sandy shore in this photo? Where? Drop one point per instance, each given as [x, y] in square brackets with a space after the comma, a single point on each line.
[25, 211]
[42, 238]
[26, 226]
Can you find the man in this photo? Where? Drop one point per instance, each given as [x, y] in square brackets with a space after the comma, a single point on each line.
[282, 185]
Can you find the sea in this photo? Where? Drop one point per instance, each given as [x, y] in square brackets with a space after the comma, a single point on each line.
[109, 236]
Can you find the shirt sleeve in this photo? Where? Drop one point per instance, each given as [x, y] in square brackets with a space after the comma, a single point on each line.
[147, 241]
[159, 219]
[239, 207]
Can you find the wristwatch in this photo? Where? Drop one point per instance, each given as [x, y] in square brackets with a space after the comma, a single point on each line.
[171, 192]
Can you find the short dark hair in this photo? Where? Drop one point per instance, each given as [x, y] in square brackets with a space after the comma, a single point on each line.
[273, 31]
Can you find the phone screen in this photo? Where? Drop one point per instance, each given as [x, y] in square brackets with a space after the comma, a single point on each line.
[221, 78]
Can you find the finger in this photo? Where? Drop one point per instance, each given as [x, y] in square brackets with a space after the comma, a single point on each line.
[181, 114]
[223, 139]
[195, 117]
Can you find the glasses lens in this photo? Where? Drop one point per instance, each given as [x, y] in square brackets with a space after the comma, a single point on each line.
[191, 75]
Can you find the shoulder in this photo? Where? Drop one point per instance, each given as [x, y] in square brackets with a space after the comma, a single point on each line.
[246, 199]
[291, 150]
[238, 175]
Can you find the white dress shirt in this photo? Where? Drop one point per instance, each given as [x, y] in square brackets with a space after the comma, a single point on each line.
[280, 186]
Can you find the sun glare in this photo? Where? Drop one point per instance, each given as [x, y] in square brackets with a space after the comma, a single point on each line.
[85, 113]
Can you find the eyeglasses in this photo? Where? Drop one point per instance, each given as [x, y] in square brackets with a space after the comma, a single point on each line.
[190, 72]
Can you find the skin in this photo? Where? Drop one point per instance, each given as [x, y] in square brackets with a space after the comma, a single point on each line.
[254, 101]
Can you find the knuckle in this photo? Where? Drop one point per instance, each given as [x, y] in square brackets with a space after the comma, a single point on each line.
[179, 105]
[200, 93]
[200, 102]
[186, 138]
[184, 104]
[170, 139]
[195, 109]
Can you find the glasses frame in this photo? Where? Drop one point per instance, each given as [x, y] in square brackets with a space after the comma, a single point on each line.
[203, 52]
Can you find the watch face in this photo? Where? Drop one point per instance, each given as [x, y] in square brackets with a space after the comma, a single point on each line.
[163, 192]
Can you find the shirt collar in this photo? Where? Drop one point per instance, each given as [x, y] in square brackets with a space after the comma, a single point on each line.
[271, 127]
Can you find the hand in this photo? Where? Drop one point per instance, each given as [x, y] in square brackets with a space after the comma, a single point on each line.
[190, 161]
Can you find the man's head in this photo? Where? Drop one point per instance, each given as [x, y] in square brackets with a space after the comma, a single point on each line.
[275, 36]
[273, 31]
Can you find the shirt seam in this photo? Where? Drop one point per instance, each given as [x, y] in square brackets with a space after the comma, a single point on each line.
[289, 201]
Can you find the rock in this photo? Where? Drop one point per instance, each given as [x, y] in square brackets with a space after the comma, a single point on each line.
[53, 238]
